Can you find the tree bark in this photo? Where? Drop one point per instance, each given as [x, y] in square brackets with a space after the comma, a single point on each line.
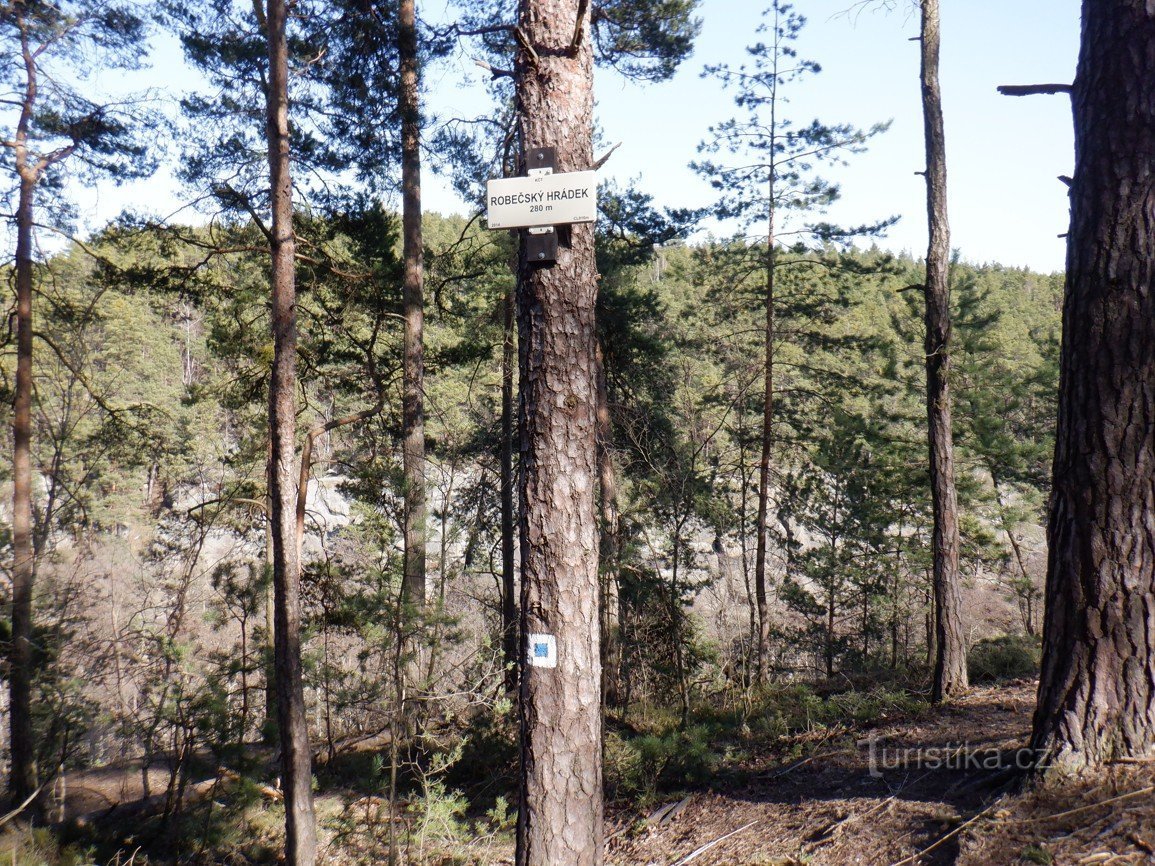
[269, 729]
[1097, 689]
[609, 542]
[950, 666]
[22, 779]
[560, 820]
[296, 756]
[508, 531]
[23, 774]
[763, 520]
[413, 408]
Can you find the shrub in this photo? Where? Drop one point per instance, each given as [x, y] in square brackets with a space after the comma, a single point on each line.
[1008, 657]
[791, 708]
[646, 764]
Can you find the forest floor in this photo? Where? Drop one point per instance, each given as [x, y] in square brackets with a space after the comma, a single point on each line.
[929, 786]
[915, 807]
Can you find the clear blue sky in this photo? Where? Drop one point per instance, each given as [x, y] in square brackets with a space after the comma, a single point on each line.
[1004, 153]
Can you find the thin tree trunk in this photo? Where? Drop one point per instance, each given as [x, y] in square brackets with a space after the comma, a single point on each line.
[676, 624]
[22, 779]
[296, 756]
[895, 600]
[928, 621]
[508, 576]
[244, 674]
[744, 543]
[1096, 698]
[413, 408]
[829, 653]
[609, 542]
[762, 528]
[950, 666]
[560, 820]
[269, 731]
[1025, 601]
[760, 555]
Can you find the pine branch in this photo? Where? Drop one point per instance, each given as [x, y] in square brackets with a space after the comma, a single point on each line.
[1033, 89]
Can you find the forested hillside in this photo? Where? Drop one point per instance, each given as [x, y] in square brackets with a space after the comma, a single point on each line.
[150, 459]
[582, 525]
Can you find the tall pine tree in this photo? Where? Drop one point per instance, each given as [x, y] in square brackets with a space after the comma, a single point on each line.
[1096, 701]
[49, 50]
[769, 171]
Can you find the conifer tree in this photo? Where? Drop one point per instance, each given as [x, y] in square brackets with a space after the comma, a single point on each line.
[48, 51]
[296, 753]
[250, 169]
[769, 173]
[950, 664]
[1096, 704]
[561, 706]
[413, 434]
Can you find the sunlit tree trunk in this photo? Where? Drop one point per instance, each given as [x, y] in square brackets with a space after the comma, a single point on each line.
[762, 526]
[560, 821]
[767, 448]
[269, 731]
[413, 409]
[508, 531]
[22, 779]
[296, 755]
[608, 546]
[950, 665]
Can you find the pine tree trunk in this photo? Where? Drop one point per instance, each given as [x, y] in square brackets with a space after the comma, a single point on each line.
[296, 756]
[269, 729]
[950, 666]
[560, 821]
[760, 557]
[1096, 694]
[609, 543]
[22, 779]
[508, 575]
[413, 409]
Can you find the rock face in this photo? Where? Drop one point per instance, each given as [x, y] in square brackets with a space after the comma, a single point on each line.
[326, 511]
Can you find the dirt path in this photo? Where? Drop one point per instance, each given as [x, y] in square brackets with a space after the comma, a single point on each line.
[843, 807]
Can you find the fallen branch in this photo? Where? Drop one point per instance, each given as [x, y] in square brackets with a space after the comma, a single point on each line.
[694, 855]
[148, 807]
[352, 744]
[777, 774]
[918, 855]
[665, 814]
[4, 820]
[1150, 789]
[266, 791]
[1139, 842]
[1133, 761]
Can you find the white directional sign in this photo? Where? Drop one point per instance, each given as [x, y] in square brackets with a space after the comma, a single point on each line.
[542, 200]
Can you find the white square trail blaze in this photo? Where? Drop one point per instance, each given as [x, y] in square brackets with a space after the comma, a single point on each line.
[542, 200]
[541, 651]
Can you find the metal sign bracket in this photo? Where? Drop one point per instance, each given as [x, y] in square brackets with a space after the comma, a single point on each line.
[541, 242]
